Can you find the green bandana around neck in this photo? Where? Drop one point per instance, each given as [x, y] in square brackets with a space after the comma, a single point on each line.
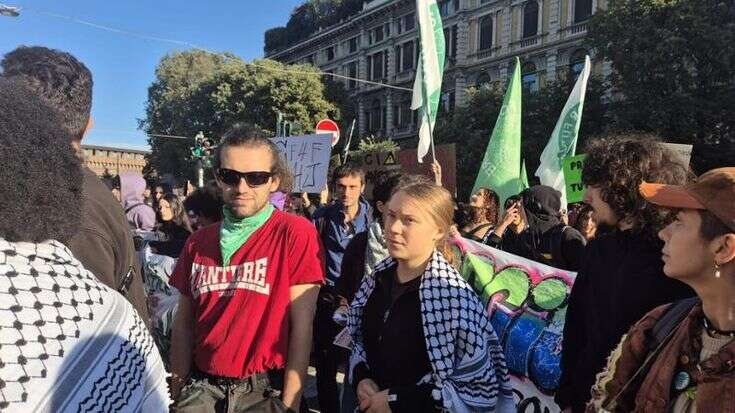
[236, 231]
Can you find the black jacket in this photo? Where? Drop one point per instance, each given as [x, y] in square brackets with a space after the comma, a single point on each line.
[560, 247]
[620, 280]
[104, 244]
[353, 267]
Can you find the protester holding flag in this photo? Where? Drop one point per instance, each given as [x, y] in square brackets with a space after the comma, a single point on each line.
[427, 86]
[621, 277]
[422, 338]
[692, 371]
[563, 141]
[545, 238]
[501, 166]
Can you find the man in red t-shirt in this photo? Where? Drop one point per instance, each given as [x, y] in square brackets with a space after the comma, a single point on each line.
[248, 291]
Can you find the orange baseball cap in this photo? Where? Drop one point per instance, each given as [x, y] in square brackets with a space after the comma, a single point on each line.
[713, 190]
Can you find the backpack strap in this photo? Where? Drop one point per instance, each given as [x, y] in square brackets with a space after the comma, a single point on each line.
[657, 338]
[669, 321]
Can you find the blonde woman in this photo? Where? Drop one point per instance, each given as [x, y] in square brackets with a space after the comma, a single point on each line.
[422, 339]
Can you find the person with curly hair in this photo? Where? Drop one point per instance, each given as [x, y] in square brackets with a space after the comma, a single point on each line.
[79, 345]
[103, 242]
[621, 275]
[482, 215]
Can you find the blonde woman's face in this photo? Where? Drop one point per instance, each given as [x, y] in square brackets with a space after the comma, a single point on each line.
[410, 231]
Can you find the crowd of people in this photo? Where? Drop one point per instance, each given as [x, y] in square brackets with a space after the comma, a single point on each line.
[260, 283]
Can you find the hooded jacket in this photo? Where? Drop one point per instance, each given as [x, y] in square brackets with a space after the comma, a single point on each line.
[140, 216]
[546, 240]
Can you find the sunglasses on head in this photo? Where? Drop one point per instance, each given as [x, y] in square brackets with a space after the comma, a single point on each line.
[232, 177]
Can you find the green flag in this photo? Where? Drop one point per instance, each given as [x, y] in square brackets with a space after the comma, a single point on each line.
[524, 177]
[563, 140]
[427, 85]
[501, 166]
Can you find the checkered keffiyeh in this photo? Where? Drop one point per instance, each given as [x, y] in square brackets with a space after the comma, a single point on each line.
[468, 368]
[67, 342]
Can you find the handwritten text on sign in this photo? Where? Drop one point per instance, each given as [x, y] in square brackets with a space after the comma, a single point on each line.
[573, 166]
[308, 159]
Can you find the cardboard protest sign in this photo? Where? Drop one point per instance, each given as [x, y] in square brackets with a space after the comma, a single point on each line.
[683, 150]
[374, 163]
[445, 155]
[527, 303]
[572, 166]
[308, 159]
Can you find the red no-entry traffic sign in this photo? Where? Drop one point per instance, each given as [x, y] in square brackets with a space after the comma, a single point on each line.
[328, 126]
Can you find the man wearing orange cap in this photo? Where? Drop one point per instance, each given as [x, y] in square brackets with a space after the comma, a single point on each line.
[680, 357]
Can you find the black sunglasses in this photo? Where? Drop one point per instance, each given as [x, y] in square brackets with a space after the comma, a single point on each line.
[232, 177]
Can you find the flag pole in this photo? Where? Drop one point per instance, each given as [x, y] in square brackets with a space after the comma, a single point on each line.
[428, 115]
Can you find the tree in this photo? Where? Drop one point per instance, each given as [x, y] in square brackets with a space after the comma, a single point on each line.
[199, 91]
[673, 71]
[307, 18]
[470, 125]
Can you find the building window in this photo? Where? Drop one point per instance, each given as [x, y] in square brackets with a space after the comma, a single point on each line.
[352, 72]
[353, 45]
[310, 59]
[330, 53]
[455, 5]
[454, 42]
[377, 68]
[376, 35]
[408, 22]
[375, 117]
[530, 19]
[444, 8]
[486, 32]
[407, 56]
[529, 77]
[582, 10]
[576, 63]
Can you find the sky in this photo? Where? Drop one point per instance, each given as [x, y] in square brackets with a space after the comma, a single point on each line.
[123, 65]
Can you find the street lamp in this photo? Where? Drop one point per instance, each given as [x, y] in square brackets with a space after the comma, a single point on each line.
[9, 11]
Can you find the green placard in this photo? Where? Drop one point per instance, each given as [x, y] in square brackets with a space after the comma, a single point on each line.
[573, 178]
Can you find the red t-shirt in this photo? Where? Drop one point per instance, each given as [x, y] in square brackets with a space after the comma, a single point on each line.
[242, 320]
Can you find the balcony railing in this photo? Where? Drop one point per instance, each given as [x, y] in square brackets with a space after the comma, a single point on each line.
[575, 29]
[527, 42]
[485, 53]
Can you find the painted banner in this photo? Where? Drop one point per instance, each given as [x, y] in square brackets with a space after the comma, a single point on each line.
[527, 304]
[308, 159]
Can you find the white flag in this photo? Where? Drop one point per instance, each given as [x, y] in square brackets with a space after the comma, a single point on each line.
[563, 141]
[428, 84]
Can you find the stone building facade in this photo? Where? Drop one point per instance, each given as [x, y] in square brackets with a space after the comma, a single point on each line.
[483, 37]
[107, 160]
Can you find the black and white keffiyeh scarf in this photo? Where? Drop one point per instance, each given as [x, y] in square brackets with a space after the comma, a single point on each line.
[67, 342]
[469, 373]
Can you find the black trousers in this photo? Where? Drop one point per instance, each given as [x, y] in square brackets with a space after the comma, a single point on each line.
[327, 357]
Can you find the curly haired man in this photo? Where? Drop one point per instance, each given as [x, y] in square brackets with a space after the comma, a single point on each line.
[621, 275]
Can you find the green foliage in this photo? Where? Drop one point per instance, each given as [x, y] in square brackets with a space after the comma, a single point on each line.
[673, 67]
[307, 19]
[374, 144]
[199, 91]
[470, 126]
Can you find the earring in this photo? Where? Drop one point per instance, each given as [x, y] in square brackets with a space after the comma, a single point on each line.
[717, 270]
